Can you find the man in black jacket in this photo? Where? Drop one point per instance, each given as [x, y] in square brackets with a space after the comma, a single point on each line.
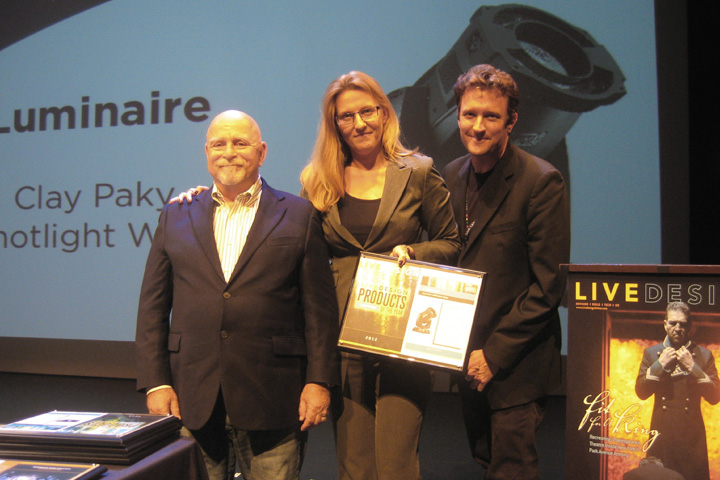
[513, 214]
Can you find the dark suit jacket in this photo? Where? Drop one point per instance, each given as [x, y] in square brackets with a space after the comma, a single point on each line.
[261, 336]
[520, 238]
[414, 200]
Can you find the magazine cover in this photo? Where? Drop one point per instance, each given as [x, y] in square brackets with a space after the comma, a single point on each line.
[421, 312]
[642, 378]
[23, 470]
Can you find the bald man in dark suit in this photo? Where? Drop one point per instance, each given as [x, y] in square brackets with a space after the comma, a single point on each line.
[237, 321]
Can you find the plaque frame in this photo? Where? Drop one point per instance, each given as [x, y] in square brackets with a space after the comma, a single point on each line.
[421, 312]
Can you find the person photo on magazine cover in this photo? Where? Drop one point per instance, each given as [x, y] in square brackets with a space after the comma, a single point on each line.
[679, 372]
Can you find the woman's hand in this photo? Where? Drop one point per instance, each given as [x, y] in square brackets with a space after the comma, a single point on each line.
[188, 196]
[404, 253]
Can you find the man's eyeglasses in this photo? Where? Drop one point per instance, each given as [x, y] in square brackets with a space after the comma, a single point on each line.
[367, 114]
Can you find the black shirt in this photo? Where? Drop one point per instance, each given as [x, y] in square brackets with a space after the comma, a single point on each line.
[358, 216]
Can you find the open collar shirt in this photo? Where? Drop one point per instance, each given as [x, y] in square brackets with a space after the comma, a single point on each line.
[232, 222]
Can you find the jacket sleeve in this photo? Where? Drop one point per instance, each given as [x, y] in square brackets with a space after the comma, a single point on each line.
[153, 319]
[320, 307]
[709, 384]
[443, 243]
[548, 246]
[647, 384]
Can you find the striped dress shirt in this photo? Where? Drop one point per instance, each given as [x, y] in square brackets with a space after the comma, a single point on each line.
[232, 222]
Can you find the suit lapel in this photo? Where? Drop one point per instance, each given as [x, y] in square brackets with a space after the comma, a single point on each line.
[201, 218]
[333, 219]
[494, 192]
[269, 213]
[396, 178]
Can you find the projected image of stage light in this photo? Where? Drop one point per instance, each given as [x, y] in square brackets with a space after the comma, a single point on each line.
[560, 69]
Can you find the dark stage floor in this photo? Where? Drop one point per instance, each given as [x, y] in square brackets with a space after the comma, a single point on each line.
[444, 453]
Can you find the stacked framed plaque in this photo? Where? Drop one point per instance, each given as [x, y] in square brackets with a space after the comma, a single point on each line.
[420, 312]
[115, 438]
[26, 470]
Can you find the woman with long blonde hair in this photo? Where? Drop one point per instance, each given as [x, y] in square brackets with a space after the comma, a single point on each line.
[376, 195]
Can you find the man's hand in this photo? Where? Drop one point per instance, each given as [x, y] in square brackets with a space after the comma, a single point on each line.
[188, 196]
[668, 358]
[162, 402]
[314, 405]
[479, 371]
[685, 358]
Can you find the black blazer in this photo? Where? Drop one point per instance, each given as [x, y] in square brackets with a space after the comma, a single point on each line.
[261, 336]
[414, 210]
[520, 238]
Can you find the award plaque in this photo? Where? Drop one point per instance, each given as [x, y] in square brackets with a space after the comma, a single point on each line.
[118, 438]
[420, 312]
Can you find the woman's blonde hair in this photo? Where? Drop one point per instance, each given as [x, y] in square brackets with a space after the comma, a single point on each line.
[323, 178]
